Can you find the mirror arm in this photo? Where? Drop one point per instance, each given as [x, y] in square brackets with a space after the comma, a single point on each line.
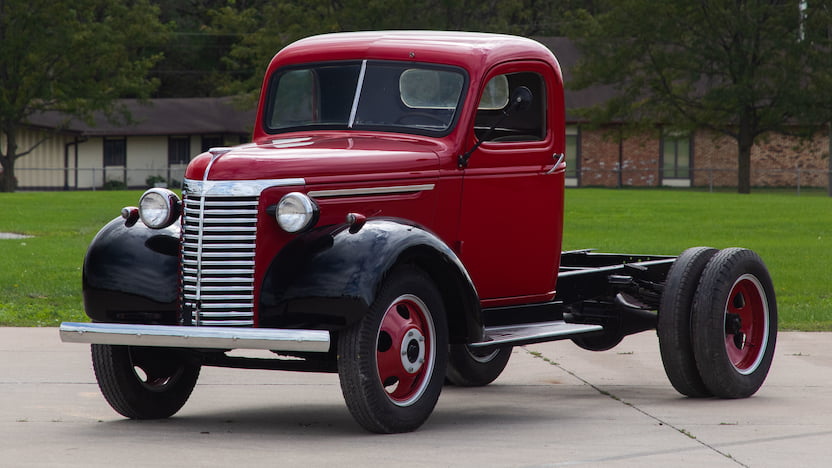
[520, 100]
[462, 160]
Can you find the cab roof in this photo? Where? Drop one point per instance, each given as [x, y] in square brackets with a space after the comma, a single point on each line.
[473, 51]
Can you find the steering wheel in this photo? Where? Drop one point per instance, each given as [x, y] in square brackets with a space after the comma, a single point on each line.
[424, 116]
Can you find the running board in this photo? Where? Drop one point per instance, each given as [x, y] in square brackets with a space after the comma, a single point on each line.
[529, 333]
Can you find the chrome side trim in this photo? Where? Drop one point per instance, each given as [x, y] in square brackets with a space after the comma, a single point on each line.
[314, 341]
[370, 191]
[236, 188]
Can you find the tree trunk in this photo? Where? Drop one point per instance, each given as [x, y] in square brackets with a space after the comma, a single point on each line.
[8, 182]
[829, 168]
[745, 140]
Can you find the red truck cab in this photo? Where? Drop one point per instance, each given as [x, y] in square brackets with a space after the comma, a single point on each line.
[397, 219]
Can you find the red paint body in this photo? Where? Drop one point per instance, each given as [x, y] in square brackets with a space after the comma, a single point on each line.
[502, 214]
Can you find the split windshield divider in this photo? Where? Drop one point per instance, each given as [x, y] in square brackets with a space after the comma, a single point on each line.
[355, 98]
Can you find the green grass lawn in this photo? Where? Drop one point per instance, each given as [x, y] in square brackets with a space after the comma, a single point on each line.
[40, 277]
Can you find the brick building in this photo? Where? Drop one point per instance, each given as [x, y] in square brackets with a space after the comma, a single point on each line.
[596, 157]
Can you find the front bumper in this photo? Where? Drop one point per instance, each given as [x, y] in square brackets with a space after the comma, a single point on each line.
[169, 336]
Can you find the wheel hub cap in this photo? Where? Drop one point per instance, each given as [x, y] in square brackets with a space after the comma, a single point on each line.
[405, 350]
[746, 324]
[413, 351]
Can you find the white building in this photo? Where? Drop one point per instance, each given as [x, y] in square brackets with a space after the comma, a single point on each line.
[155, 147]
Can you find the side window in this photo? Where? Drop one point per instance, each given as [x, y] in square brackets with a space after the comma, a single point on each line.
[525, 125]
[115, 152]
[179, 150]
[212, 141]
[676, 155]
[573, 153]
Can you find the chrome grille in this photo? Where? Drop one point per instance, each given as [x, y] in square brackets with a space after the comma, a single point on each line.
[218, 242]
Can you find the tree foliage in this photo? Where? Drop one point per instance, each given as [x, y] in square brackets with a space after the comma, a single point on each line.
[71, 56]
[264, 27]
[191, 63]
[742, 68]
[221, 47]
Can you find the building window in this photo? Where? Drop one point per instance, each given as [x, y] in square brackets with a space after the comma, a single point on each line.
[676, 156]
[115, 152]
[573, 149]
[212, 141]
[179, 150]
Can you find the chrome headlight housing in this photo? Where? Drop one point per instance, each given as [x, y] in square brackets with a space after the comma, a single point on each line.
[159, 208]
[296, 212]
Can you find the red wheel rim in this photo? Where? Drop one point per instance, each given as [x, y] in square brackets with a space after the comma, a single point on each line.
[746, 324]
[404, 350]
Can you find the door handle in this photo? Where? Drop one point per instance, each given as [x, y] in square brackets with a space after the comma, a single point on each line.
[559, 159]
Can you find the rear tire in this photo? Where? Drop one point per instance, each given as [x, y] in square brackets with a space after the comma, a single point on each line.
[144, 383]
[734, 324]
[392, 362]
[674, 324]
[469, 367]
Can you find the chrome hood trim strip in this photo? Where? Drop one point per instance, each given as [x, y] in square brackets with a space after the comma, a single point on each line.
[370, 191]
[236, 188]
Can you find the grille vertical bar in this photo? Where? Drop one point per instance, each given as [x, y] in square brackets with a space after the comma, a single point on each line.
[218, 259]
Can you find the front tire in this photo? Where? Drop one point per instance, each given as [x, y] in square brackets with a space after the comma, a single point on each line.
[392, 363]
[469, 367]
[734, 324]
[144, 383]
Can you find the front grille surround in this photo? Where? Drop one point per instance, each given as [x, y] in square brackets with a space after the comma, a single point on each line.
[218, 248]
[219, 234]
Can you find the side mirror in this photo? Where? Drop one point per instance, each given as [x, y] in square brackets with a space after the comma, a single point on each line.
[521, 99]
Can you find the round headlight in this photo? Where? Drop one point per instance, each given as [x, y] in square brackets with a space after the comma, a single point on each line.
[296, 212]
[159, 208]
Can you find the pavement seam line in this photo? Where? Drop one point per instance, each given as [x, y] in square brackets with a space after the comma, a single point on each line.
[684, 432]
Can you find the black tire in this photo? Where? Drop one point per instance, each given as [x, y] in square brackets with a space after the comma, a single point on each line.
[734, 324]
[144, 383]
[392, 363]
[674, 324]
[604, 341]
[470, 367]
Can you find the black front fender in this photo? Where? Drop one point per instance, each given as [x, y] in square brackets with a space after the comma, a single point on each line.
[131, 274]
[329, 278]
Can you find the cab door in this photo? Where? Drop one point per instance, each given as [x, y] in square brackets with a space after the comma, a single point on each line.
[512, 202]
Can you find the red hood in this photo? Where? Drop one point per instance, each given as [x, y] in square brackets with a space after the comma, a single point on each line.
[324, 158]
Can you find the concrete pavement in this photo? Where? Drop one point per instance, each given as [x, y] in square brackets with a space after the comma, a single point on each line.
[555, 405]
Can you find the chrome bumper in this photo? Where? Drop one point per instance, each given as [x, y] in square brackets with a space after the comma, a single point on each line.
[315, 341]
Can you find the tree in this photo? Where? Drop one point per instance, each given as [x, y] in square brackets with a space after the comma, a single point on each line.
[75, 57]
[192, 63]
[742, 68]
[264, 27]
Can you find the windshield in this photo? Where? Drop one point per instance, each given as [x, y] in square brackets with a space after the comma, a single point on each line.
[371, 95]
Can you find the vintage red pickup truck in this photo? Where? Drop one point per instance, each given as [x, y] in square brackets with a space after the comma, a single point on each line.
[397, 219]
